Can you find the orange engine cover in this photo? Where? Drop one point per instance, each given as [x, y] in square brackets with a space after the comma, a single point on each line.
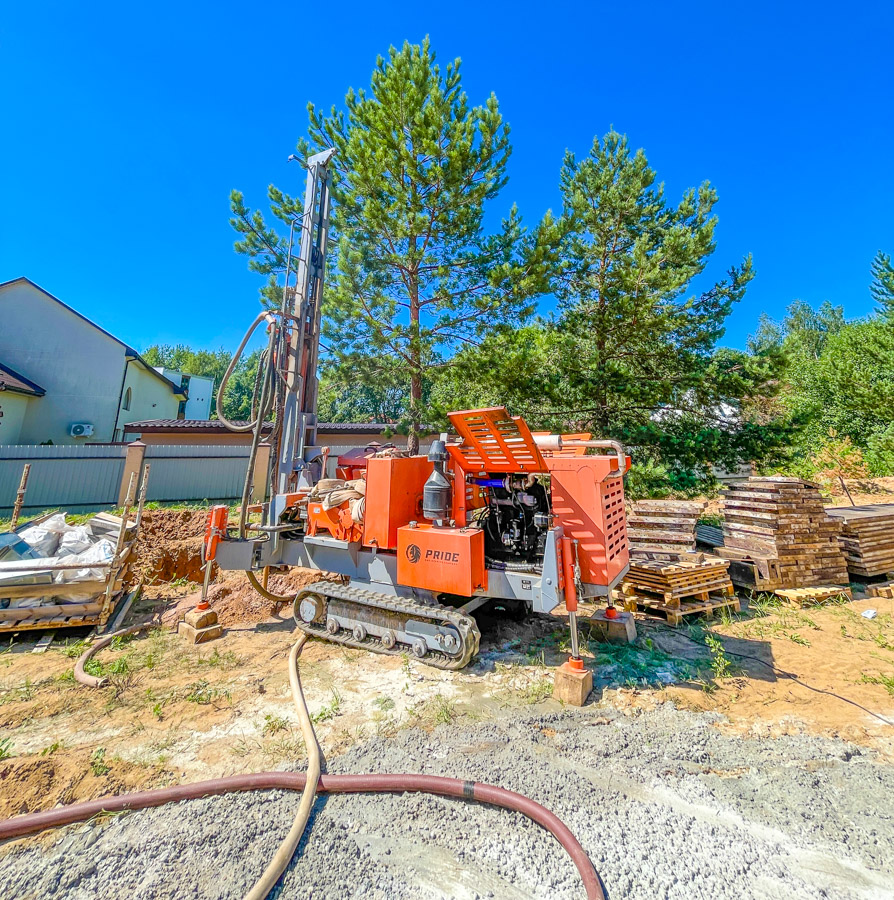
[444, 560]
[393, 497]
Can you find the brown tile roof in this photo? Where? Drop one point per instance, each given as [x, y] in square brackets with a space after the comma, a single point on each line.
[10, 380]
[214, 426]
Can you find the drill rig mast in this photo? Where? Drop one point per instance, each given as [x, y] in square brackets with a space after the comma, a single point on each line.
[501, 515]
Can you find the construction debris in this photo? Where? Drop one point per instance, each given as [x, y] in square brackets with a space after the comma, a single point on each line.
[777, 534]
[867, 538]
[811, 596]
[70, 575]
[663, 525]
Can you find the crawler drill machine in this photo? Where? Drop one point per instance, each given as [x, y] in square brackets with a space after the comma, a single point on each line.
[492, 514]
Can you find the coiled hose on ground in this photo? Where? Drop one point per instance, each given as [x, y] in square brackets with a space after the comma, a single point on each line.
[311, 783]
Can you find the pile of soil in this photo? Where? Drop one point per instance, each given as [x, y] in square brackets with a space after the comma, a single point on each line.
[31, 783]
[169, 546]
[236, 602]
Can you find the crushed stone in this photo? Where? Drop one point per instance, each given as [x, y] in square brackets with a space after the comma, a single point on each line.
[665, 804]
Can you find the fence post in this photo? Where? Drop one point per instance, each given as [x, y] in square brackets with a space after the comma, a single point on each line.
[132, 465]
[262, 469]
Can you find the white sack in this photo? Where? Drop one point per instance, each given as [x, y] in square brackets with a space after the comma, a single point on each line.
[45, 537]
[76, 540]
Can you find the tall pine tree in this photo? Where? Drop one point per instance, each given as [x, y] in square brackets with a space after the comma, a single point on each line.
[416, 274]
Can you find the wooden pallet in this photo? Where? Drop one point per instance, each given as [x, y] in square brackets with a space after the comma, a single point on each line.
[674, 577]
[812, 596]
[663, 525]
[676, 614]
[776, 534]
[867, 537]
[883, 589]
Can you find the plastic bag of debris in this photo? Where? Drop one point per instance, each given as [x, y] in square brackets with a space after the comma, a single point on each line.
[45, 537]
[101, 552]
[77, 539]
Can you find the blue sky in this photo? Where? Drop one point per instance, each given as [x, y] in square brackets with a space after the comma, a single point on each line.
[126, 126]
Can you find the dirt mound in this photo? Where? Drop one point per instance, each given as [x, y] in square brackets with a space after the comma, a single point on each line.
[170, 545]
[236, 600]
[32, 783]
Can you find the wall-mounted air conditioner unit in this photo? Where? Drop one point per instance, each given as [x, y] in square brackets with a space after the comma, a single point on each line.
[81, 429]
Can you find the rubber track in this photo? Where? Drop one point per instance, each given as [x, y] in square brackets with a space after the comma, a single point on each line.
[409, 609]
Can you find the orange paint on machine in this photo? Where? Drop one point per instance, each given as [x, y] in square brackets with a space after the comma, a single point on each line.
[443, 560]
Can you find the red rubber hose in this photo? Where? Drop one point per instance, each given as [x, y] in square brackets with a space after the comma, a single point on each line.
[18, 826]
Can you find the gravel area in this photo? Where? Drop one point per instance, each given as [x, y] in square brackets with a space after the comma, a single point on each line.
[666, 805]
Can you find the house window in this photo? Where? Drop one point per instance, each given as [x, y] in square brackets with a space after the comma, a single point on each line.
[127, 397]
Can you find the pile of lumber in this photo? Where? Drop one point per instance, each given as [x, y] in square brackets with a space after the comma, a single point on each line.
[867, 537]
[663, 525]
[777, 534]
[677, 585]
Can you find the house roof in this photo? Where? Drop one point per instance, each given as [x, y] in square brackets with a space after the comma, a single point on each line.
[129, 352]
[10, 380]
[215, 426]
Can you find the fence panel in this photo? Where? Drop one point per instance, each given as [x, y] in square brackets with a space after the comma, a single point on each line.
[187, 473]
[76, 477]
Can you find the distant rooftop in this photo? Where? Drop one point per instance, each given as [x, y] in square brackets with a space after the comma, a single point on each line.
[214, 426]
[10, 380]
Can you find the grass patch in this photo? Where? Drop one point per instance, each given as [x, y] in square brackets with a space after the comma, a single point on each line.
[203, 694]
[328, 710]
[886, 681]
[6, 748]
[275, 724]
[98, 764]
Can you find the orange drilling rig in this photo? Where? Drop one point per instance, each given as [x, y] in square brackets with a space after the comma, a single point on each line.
[493, 513]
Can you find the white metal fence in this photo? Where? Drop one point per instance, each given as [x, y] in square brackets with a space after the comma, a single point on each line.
[75, 477]
[185, 473]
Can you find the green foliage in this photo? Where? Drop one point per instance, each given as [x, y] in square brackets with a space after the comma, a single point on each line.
[211, 364]
[632, 353]
[98, 764]
[6, 748]
[882, 287]
[720, 662]
[838, 383]
[415, 272]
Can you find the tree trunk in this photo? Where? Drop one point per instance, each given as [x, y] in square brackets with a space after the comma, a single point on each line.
[416, 364]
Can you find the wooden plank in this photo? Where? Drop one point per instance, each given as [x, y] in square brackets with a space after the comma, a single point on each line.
[45, 641]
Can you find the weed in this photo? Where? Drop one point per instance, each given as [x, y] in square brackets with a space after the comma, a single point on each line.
[98, 764]
[218, 660]
[119, 666]
[121, 641]
[328, 710]
[443, 709]
[74, 649]
[405, 665]
[156, 711]
[66, 677]
[275, 724]
[799, 640]
[181, 582]
[384, 703]
[203, 693]
[537, 691]
[886, 681]
[56, 745]
[720, 662]
[6, 748]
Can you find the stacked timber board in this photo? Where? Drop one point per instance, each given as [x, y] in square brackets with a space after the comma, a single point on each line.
[667, 525]
[867, 537]
[677, 585]
[777, 534]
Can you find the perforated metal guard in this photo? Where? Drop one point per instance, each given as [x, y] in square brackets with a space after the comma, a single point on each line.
[494, 441]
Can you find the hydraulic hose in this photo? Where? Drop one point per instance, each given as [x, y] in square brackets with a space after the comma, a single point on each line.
[286, 851]
[19, 826]
[91, 680]
[248, 426]
[309, 783]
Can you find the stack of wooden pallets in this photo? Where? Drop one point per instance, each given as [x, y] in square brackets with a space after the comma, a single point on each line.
[663, 525]
[777, 534]
[867, 537]
[678, 585]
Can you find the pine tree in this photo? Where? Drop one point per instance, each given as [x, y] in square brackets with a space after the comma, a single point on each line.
[632, 344]
[882, 286]
[415, 274]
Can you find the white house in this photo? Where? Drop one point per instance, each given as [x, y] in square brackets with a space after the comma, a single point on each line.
[198, 388]
[66, 380]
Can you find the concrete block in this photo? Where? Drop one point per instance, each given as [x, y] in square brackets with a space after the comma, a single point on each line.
[572, 686]
[620, 630]
[199, 635]
[200, 618]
